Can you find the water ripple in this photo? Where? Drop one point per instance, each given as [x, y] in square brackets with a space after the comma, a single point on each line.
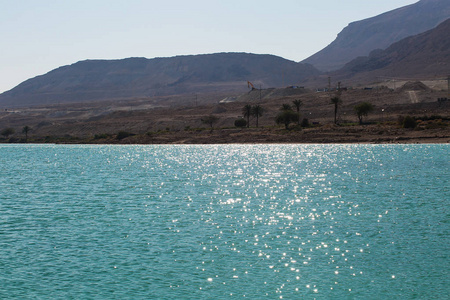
[274, 221]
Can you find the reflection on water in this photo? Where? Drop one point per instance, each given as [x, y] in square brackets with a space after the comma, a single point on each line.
[275, 221]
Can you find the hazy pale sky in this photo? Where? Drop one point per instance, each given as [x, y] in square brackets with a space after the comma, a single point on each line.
[40, 35]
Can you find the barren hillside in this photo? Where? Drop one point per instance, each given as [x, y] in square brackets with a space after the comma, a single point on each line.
[97, 80]
[361, 37]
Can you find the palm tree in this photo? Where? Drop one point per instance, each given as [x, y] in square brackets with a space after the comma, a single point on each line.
[257, 111]
[25, 130]
[247, 112]
[337, 102]
[297, 103]
[285, 106]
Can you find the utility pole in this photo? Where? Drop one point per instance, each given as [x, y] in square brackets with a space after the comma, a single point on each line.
[329, 86]
[448, 87]
[260, 93]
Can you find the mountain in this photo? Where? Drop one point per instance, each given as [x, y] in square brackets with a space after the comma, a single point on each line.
[93, 80]
[361, 37]
[423, 55]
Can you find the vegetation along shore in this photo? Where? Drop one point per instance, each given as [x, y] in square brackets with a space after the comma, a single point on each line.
[411, 113]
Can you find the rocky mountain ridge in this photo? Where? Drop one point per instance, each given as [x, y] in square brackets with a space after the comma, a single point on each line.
[422, 55]
[379, 32]
[94, 80]
[426, 54]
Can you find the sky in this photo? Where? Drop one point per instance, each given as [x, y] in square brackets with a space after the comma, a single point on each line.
[38, 36]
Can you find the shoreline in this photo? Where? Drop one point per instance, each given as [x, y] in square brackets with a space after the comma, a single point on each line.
[361, 134]
[177, 121]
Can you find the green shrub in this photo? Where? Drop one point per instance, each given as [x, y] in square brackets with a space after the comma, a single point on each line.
[123, 134]
[7, 132]
[362, 110]
[434, 117]
[210, 120]
[240, 123]
[409, 122]
[435, 125]
[13, 140]
[101, 136]
[286, 117]
[305, 122]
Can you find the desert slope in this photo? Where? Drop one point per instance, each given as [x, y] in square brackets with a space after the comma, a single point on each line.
[420, 56]
[94, 80]
[361, 37]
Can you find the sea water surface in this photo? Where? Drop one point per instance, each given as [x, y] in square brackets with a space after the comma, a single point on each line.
[224, 221]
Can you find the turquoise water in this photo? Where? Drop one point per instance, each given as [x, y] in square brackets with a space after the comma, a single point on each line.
[224, 221]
